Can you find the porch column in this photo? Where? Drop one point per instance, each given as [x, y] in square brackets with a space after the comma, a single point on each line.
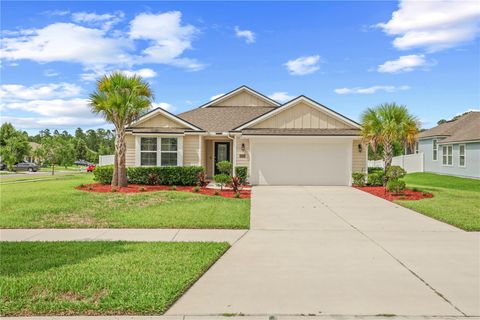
[234, 162]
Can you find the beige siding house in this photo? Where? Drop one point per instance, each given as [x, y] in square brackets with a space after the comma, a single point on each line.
[300, 142]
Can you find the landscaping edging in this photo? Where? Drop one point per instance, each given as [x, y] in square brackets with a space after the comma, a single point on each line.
[407, 194]
[137, 188]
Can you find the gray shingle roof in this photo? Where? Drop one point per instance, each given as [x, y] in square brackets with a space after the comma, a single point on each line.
[465, 128]
[222, 119]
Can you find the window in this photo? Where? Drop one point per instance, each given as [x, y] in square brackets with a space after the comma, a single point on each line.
[148, 151]
[447, 155]
[169, 152]
[435, 149]
[461, 155]
[158, 151]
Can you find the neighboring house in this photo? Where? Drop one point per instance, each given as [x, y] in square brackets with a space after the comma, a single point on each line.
[300, 142]
[31, 156]
[453, 147]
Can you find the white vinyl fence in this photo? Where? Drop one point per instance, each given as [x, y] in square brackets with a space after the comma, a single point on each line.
[106, 160]
[410, 162]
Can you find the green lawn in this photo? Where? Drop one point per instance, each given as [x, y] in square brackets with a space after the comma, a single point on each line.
[456, 200]
[57, 204]
[93, 278]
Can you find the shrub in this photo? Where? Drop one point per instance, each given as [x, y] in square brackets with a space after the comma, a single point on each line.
[225, 167]
[375, 178]
[81, 185]
[375, 169]
[358, 179]
[217, 193]
[173, 188]
[153, 179]
[237, 195]
[103, 174]
[90, 188]
[222, 179]
[114, 190]
[395, 172]
[180, 176]
[235, 184]
[142, 189]
[196, 189]
[202, 179]
[395, 186]
[241, 173]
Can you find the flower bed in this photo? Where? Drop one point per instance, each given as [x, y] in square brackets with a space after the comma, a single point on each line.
[407, 194]
[134, 188]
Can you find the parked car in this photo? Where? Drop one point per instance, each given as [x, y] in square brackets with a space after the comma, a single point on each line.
[82, 163]
[3, 166]
[25, 166]
[91, 167]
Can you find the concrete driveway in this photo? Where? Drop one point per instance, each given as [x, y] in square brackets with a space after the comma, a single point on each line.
[338, 250]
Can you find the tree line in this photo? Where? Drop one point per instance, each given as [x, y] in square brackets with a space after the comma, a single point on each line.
[55, 147]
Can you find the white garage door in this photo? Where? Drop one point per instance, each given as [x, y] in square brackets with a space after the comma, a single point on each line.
[297, 162]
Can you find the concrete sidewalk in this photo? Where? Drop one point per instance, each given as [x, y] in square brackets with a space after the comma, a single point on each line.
[169, 235]
[245, 317]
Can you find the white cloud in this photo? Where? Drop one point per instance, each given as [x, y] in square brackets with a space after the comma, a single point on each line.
[216, 96]
[163, 39]
[403, 64]
[163, 105]
[52, 122]
[433, 25]
[167, 36]
[106, 20]
[144, 73]
[50, 73]
[40, 91]
[67, 42]
[52, 108]
[370, 90]
[303, 65]
[248, 35]
[281, 96]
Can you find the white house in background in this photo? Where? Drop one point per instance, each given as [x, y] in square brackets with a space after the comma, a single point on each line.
[453, 147]
[301, 142]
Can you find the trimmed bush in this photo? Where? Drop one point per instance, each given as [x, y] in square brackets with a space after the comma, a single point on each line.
[103, 174]
[395, 172]
[225, 167]
[241, 173]
[358, 179]
[396, 186]
[375, 169]
[179, 176]
[376, 178]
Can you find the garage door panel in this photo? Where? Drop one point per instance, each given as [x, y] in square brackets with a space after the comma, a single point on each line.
[300, 163]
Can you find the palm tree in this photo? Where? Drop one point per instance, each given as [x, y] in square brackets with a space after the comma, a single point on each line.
[120, 99]
[387, 123]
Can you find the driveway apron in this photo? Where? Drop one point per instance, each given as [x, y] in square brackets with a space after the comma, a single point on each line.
[338, 250]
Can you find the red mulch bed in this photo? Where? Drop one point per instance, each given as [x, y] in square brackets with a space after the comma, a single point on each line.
[406, 195]
[134, 188]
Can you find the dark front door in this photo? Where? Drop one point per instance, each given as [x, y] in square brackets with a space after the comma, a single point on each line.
[222, 153]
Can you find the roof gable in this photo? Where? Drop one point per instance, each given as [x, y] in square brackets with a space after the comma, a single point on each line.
[242, 97]
[336, 120]
[465, 128]
[162, 118]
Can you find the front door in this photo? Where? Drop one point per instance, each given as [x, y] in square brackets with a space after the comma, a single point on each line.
[222, 153]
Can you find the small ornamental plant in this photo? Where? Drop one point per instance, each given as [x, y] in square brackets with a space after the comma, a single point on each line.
[202, 179]
[142, 189]
[90, 188]
[81, 185]
[237, 195]
[217, 193]
[196, 189]
[114, 190]
[358, 179]
[173, 188]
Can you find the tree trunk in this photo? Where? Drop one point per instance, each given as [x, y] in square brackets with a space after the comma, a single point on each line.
[387, 158]
[122, 171]
[53, 169]
[115, 162]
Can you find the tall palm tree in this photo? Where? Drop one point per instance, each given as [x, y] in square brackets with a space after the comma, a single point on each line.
[120, 99]
[387, 123]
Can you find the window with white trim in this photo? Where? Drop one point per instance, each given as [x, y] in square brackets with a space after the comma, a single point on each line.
[169, 153]
[435, 150]
[447, 156]
[461, 155]
[158, 151]
[148, 151]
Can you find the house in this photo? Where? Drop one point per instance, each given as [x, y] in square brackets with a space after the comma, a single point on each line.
[32, 157]
[300, 142]
[453, 147]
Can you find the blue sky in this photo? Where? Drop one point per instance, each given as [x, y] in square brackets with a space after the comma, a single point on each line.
[346, 55]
